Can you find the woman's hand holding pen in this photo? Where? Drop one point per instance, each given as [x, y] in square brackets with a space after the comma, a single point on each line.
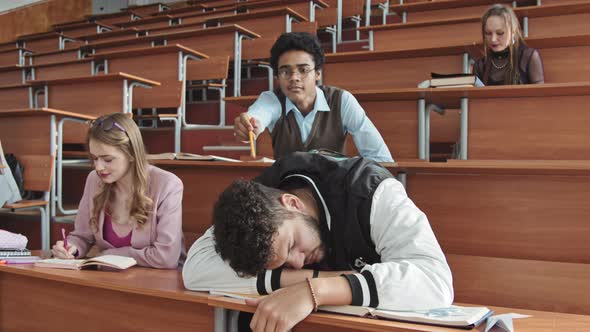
[60, 251]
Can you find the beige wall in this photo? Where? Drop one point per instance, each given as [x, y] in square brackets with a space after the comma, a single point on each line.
[40, 17]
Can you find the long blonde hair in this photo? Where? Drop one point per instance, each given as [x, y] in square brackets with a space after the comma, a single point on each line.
[512, 25]
[131, 144]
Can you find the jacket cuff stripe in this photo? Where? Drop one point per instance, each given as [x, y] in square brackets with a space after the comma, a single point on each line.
[260, 284]
[267, 277]
[355, 288]
[275, 280]
[373, 295]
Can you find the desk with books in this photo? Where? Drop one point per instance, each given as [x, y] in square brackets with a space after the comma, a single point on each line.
[540, 321]
[44, 299]
[136, 299]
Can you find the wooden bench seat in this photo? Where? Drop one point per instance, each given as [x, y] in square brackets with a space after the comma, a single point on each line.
[25, 204]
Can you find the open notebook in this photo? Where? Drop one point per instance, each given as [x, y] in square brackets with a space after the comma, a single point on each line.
[112, 261]
[453, 316]
[188, 156]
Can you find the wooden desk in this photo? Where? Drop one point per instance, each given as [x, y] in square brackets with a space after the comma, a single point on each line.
[365, 70]
[398, 115]
[538, 21]
[13, 74]
[436, 10]
[43, 299]
[16, 128]
[15, 96]
[147, 10]
[111, 35]
[514, 232]
[218, 41]
[204, 181]
[148, 22]
[84, 28]
[563, 62]
[44, 42]
[62, 70]
[541, 321]
[53, 56]
[14, 56]
[114, 18]
[536, 122]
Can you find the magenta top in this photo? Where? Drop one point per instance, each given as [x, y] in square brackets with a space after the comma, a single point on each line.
[112, 237]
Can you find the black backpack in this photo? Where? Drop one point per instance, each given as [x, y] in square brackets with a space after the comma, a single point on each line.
[17, 170]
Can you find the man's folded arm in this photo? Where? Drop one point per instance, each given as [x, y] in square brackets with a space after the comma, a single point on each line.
[204, 270]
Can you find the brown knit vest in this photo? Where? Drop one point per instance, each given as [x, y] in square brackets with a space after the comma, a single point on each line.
[326, 131]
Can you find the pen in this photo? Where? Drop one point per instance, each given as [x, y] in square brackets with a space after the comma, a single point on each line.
[63, 235]
[251, 137]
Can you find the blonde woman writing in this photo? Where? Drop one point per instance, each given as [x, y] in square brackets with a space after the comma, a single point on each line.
[129, 207]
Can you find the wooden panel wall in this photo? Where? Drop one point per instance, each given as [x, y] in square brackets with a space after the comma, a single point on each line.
[41, 16]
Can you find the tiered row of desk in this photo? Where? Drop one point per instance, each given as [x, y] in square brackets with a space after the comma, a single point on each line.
[511, 218]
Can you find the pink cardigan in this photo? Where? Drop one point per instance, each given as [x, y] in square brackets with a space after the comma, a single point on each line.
[158, 243]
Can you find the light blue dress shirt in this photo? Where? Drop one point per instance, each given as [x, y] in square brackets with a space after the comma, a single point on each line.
[267, 110]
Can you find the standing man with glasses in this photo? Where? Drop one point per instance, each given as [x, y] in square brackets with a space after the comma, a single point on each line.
[302, 116]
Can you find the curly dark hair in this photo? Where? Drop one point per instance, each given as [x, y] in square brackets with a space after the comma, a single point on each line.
[246, 217]
[302, 41]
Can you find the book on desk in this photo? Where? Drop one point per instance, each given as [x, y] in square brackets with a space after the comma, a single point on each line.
[454, 316]
[456, 80]
[188, 156]
[110, 261]
[198, 157]
[14, 252]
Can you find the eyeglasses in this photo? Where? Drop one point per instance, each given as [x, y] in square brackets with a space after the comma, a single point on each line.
[107, 124]
[285, 73]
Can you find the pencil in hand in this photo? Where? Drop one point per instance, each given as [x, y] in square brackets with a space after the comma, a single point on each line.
[251, 138]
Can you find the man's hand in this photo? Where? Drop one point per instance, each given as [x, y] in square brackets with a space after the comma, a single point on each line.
[243, 124]
[282, 309]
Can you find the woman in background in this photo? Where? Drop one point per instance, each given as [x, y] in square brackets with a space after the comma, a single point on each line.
[507, 60]
[129, 207]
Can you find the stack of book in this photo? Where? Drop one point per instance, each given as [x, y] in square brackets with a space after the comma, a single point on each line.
[14, 252]
[453, 80]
